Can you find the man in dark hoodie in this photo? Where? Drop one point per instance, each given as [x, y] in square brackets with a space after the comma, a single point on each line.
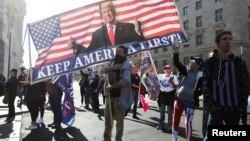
[11, 87]
[225, 83]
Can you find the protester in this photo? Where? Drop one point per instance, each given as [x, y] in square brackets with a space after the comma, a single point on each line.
[90, 85]
[168, 82]
[191, 81]
[82, 89]
[11, 88]
[225, 83]
[55, 98]
[244, 107]
[100, 87]
[2, 84]
[21, 87]
[34, 97]
[119, 90]
[135, 81]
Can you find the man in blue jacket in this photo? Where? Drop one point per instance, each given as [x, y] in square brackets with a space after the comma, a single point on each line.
[119, 91]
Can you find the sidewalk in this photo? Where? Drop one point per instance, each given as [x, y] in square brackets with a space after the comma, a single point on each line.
[11, 131]
[4, 108]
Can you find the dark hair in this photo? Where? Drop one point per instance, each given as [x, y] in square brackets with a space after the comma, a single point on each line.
[111, 5]
[124, 49]
[217, 39]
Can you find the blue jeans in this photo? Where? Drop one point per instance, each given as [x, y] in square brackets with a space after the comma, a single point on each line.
[162, 115]
[135, 103]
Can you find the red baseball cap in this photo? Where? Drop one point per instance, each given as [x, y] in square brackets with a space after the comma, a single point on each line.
[167, 67]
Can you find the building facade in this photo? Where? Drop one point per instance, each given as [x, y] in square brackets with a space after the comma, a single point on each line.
[12, 13]
[201, 21]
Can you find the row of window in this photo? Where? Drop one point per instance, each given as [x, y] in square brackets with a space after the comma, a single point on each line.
[218, 17]
[198, 6]
[165, 62]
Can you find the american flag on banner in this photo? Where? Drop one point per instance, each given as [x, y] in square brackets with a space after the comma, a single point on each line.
[50, 36]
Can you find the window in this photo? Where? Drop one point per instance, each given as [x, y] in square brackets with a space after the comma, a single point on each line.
[165, 48]
[156, 63]
[249, 12]
[199, 39]
[249, 33]
[186, 25]
[216, 1]
[219, 15]
[218, 31]
[185, 10]
[156, 50]
[199, 21]
[164, 62]
[186, 60]
[198, 5]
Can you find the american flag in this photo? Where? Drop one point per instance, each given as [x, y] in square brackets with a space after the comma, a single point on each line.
[51, 35]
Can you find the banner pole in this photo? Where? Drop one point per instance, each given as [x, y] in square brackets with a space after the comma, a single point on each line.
[30, 62]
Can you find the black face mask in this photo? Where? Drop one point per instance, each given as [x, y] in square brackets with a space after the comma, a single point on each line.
[119, 59]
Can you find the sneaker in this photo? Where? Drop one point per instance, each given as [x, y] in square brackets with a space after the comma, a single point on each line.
[159, 128]
[136, 117]
[169, 128]
[31, 127]
[51, 124]
[39, 121]
[56, 126]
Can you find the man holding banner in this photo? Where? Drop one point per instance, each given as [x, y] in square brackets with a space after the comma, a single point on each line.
[119, 90]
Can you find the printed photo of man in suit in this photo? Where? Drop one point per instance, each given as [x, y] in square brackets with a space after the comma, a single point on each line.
[112, 32]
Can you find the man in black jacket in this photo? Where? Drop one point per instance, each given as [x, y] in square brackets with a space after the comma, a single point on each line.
[225, 83]
[11, 88]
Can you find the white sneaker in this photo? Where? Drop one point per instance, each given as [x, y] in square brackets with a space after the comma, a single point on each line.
[39, 121]
[31, 127]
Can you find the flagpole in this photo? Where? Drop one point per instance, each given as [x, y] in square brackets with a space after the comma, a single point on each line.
[26, 29]
[30, 62]
[151, 59]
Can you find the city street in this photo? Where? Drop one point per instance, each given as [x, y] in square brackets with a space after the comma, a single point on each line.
[89, 126]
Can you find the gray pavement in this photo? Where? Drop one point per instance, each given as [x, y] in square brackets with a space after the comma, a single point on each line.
[89, 126]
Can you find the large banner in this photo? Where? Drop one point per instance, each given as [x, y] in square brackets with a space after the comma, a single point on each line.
[89, 35]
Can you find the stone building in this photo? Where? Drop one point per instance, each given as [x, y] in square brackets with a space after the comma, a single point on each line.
[12, 13]
[201, 20]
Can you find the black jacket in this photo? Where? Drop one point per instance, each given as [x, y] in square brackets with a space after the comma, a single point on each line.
[214, 100]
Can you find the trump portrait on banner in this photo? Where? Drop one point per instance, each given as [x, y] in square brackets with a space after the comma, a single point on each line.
[112, 32]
